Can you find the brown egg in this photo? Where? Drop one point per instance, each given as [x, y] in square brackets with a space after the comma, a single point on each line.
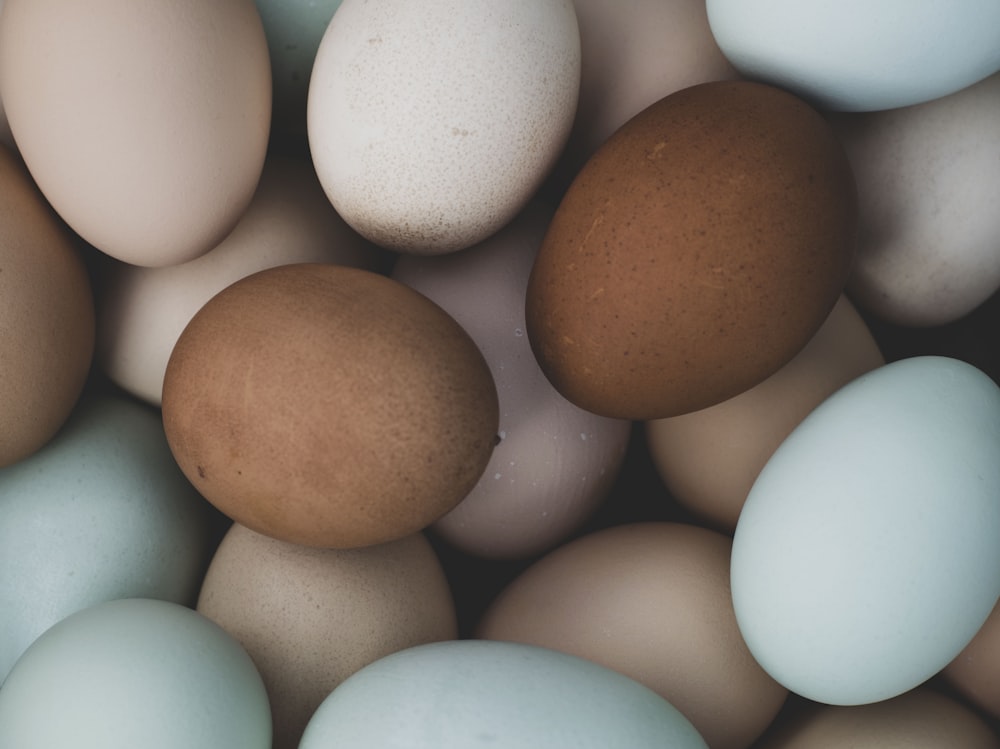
[710, 458]
[46, 316]
[919, 719]
[328, 406]
[652, 601]
[310, 618]
[975, 672]
[695, 253]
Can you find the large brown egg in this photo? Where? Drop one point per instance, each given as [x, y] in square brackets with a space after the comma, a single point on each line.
[328, 406]
[694, 254]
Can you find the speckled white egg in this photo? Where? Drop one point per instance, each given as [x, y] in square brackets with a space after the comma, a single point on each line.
[861, 55]
[866, 556]
[432, 124]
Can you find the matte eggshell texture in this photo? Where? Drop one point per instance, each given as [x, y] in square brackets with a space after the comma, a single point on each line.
[329, 406]
[310, 618]
[135, 673]
[695, 253]
[101, 512]
[929, 187]
[464, 693]
[858, 55]
[142, 311]
[46, 317]
[651, 601]
[710, 458]
[866, 555]
[432, 124]
[144, 123]
[555, 462]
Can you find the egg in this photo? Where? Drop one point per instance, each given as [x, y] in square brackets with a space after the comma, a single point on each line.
[695, 254]
[453, 695]
[100, 512]
[865, 558]
[928, 187]
[709, 459]
[432, 125]
[975, 672]
[555, 463]
[46, 316]
[309, 618]
[142, 311]
[144, 123]
[328, 406]
[651, 601]
[135, 672]
[861, 55]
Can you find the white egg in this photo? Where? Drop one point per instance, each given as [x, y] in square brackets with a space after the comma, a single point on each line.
[432, 124]
[866, 555]
[861, 55]
[504, 695]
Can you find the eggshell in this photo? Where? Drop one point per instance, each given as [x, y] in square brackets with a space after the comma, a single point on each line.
[865, 558]
[310, 618]
[920, 719]
[453, 695]
[135, 672]
[554, 463]
[46, 317]
[328, 406]
[929, 187]
[142, 311]
[432, 124]
[695, 254]
[144, 123]
[651, 601]
[861, 55]
[709, 459]
[100, 512]
[975, 672]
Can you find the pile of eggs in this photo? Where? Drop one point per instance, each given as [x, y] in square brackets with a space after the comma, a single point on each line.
[547, 373]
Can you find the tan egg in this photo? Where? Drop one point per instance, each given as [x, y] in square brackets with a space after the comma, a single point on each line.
[328, 406]
[976, 670]
[709, 459]
[144, 123]
[142, 311]
[310, 618]
[652, 601]
[555, 462]
[46, 316]
[919, 719]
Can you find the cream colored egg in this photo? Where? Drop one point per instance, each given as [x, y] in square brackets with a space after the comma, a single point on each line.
[432, 124]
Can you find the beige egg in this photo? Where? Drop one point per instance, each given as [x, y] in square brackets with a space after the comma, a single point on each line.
[144, 123]
[555, 462]
[710, 458]
[310, 618]
[976, 670]
[46, 316]
[928, 180]
[652, 601]
[142, 311]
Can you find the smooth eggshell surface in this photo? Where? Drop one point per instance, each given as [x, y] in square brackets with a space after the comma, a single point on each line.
[651, 601]
[555, 462]
[144, 123]
[463, 693]
[865, 558]
[135, 672]
[710, 458]
[860, 55]
[694, 254]
[929, 186]
[142, 311]
[46, 316]
[310, 618]
[100, 512]
[329, 406]
[432, 124]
